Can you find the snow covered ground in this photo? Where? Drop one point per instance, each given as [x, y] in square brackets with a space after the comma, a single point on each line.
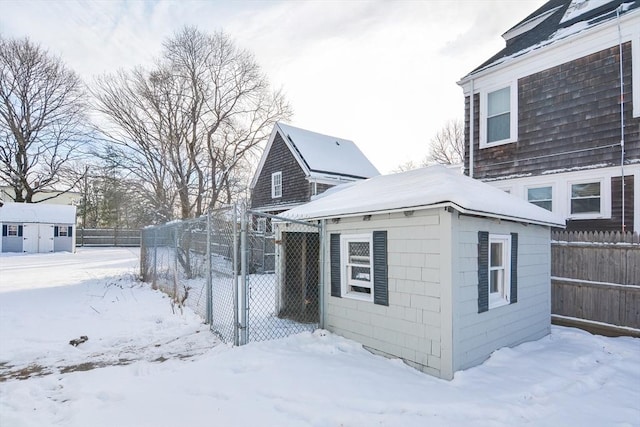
[145, 365]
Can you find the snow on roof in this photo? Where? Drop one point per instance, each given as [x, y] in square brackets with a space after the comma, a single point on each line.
[562, 19]
[329, 154]
[580, 7]
[38, 212]
[424, 188]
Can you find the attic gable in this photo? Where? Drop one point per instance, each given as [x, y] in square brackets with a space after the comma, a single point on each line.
[320, 156]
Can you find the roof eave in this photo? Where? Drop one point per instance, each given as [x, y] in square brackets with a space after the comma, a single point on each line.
[437, 206]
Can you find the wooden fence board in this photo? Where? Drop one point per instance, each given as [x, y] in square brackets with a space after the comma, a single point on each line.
[596, 277]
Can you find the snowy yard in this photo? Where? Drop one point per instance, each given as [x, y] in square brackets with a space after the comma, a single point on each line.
[144, 365]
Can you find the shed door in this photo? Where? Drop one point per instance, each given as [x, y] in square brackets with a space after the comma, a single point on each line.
[45, 243]
[30, 238]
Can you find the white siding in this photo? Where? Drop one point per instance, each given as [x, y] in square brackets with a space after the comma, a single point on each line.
[477, 335]
[415, 326]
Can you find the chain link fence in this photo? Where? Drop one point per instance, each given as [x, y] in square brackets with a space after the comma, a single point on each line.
[251, 276]
[282, 284]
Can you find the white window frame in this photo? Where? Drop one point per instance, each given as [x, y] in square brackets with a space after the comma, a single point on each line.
[12, 230]
[503, 294]
[538, 186]
[62, 233]
[605, 190]
[513, 114]
[276, 185]
[261, 225]
[347, 282]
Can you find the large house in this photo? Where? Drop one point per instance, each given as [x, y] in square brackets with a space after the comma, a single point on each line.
[298, 164]
[554, 117]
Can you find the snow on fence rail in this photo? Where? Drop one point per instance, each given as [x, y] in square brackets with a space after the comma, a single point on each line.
[596, 277]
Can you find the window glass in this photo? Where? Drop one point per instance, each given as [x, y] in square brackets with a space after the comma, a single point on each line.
[276, 184]
[585, 198]
[498, 115]
[541, 196]
[12, 230]
[62, 230]
[498, 270]
[357, 263]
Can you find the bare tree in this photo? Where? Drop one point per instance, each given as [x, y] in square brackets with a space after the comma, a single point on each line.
[42, 117]
[447, 146]
[188, 127]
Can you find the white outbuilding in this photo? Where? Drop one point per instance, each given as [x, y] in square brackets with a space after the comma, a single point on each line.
[433, 267]
[37, 227]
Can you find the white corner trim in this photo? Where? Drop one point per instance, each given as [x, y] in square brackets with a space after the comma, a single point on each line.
[635, 73]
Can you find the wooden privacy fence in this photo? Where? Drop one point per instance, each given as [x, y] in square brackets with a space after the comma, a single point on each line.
[596, 277]
[107, 237]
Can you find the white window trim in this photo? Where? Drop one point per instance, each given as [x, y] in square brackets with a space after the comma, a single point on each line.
[261, 225]
[554, 207]
[605, 195]
[60, 231]
[345, 276]
[276, 189]
[503, 297]
[10, 228]
[513, 132]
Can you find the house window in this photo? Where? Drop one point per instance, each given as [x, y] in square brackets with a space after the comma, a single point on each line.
[498, 109]
[357, 267]
[498, 115]
[585, 198]
[499, 277]
[12, 230]
[276, 185]
[541, 196]
[497, 270]
[261, 225]
[62, 231]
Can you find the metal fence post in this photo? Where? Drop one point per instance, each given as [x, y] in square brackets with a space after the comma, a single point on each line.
[243, 280]
[155, 257]
[209, 318]
[236, 338]
[322, 274]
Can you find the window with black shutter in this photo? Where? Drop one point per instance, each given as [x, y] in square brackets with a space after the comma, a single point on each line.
[497, 270]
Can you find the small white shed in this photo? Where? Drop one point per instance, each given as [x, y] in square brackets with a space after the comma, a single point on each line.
[36, 227]
[433, 267]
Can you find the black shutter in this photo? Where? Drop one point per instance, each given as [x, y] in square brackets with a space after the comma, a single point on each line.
[334, 259]
[514, 269]
[4, 229]
[55, 231]
[69, 231]
[483, 271]
[380, 275]
[20, 227]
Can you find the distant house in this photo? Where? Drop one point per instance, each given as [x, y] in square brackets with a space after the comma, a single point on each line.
[433, 267]
[544, 118]
[37, 227]
[7, 194]
[298, 164]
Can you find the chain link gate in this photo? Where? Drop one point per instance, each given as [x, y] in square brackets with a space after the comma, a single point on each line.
[280, 277]
[255, 281]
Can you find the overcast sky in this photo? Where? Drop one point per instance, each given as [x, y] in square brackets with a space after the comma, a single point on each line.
[380, 73]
